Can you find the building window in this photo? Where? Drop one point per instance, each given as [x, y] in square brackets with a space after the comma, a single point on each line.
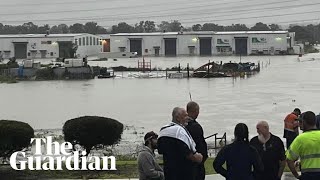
[122, 49]
[87, 41]
[191, 50]
[98, 42]
[80, 41]
[51, 53]
[90, 41]
[84, 41]
[156, 50]
[224, 49]
[94, 41]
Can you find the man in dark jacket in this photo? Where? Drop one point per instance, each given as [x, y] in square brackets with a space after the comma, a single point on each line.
[148, 168]
[196, 132]
[178, 148]
[271, 151]
[318, 121]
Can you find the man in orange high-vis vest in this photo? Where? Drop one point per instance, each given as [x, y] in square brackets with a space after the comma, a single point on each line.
[291, 126]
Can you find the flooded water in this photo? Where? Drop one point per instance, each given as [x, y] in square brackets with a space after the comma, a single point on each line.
[146, 104]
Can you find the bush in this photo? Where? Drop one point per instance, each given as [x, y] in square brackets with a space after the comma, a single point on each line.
[7, 79]
[92, 131]
[45, 74]
[14, 136]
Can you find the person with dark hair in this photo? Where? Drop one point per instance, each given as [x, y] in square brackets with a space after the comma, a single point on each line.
[271, 151]
[148, 168]
[318, 121]
[239, 157]
[306, 147]
[178, 148]
[196, 132]
[291, 126]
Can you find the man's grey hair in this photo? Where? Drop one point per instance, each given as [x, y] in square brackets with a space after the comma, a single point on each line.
[264, 124]
[176, 112]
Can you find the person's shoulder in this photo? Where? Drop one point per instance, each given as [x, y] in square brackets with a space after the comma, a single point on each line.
[254, 139]
[143, 155]
[275, 137]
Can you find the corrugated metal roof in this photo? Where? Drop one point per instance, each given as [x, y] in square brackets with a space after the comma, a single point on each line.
[104, 36]
[40, 35]
[199, 33]
[251, 32]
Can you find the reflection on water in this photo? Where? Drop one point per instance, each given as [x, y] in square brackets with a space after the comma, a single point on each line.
[147, 103]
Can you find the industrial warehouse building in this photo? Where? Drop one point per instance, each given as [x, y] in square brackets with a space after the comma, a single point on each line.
[33, 46]
[203, 43]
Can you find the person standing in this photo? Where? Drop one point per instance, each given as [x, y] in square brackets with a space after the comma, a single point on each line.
[306, 147]
[196, 131]
[148, 167]
[291, 125]
[239, 157]
[178, 148]
[271, 151]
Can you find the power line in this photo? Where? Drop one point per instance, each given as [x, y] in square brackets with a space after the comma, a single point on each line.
[53, 3]
[244, 11]
[112, 8]
[241, 18]
[175, 14]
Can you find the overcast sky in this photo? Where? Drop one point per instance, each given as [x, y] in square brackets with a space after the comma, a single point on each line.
[110, 12]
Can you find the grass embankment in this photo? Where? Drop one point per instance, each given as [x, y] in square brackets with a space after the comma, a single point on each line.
[125, 169]
[4, 79]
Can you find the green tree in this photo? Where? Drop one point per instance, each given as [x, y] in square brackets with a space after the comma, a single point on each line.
[43, 29]
[63, 28]
[197, 27]
[301, 34]
[260, 27]
[212, 27]
[91, 27]
[236, 27]
[101, 30]
[149, 26]
[139, 27]
[164, 26]
[122, 28]
[14, 136]
[30, 28]
[77, 28]
[92, 131]
[175, 26]
[274, 27]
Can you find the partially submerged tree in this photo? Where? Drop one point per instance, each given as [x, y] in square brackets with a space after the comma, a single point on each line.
[92, 131]
[14, 136]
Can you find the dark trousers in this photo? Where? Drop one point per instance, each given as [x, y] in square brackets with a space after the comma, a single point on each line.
[199, 172]
[290, 136]
[310, 176]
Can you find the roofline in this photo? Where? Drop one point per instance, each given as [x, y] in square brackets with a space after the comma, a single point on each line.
[43, 35]
[199, 33]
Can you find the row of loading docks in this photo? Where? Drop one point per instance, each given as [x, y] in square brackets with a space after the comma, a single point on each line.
[21, 50]
[170, 46]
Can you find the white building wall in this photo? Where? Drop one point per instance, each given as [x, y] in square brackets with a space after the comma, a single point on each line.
[271, 42]
[185, 41]
[149, 42]
[92, 48]
[34, 45]
[228, 41]
[118, 41]
[49, 45]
